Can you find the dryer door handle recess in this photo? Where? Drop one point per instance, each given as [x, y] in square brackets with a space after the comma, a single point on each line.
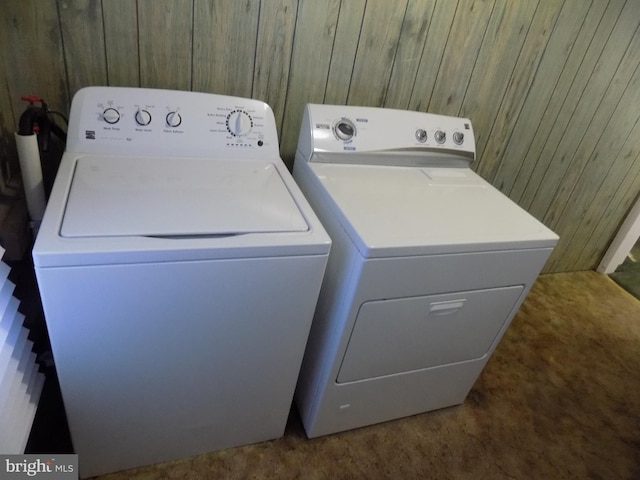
[446, 308]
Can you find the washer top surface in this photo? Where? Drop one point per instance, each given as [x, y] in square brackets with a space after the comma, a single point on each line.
[169, 197]
[392, 211]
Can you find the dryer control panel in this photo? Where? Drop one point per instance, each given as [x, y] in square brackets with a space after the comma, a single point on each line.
[368, 133]
[142, 121]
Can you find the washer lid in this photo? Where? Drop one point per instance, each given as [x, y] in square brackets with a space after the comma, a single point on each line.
[177, 197]
[391, 211]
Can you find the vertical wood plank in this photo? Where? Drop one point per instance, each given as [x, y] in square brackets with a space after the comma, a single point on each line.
[312, 46]
[587, 117]
[8, 125]
[343, 54]
[224, 46]
[600, 179]
[622, 198]
[121, 42]
[273, 54]
[500, 50]
[545, 176]
[31, 63]
[376, 52]
[411, 44]
[83, 40]
[34, 61]
[586, 181]
[608, 207]
[463, 45]
[565, 55]
[432, 55]
[559, 114]
[165, 35]
[519, 84]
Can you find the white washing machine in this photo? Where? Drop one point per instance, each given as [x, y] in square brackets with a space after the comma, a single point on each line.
[429, 263]
[179, 267]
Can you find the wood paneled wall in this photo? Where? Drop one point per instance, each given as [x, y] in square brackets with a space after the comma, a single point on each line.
[551, 86]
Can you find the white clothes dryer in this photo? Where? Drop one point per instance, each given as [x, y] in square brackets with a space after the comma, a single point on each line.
[429, 264]
[179, 267]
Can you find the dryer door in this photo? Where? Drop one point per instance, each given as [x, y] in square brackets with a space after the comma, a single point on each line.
[406, 334]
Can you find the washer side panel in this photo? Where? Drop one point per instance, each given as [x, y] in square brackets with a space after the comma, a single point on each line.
[161, 361]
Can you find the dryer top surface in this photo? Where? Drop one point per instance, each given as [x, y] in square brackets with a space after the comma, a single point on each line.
[391, 211]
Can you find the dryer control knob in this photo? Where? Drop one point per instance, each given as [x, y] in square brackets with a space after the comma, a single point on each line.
[174, 119]
[440, 136]
[111, 116]
[239, 123]
[421, 135]
[143, 117]
[345, 130]
[458, 138]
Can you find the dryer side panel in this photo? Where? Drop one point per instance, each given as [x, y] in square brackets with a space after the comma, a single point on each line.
[334, 305]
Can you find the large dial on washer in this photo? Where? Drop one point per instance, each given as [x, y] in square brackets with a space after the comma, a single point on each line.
[239, 123]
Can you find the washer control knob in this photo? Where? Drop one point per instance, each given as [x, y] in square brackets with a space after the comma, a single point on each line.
[174, 119]
[421, 135]
[143, 117]
[345, 130]
[111, 115]
[440, 136]
[239, 123]
[458, 138]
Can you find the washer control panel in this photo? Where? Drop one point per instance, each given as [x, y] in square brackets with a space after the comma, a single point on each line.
[348, 129]
[152, 122]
